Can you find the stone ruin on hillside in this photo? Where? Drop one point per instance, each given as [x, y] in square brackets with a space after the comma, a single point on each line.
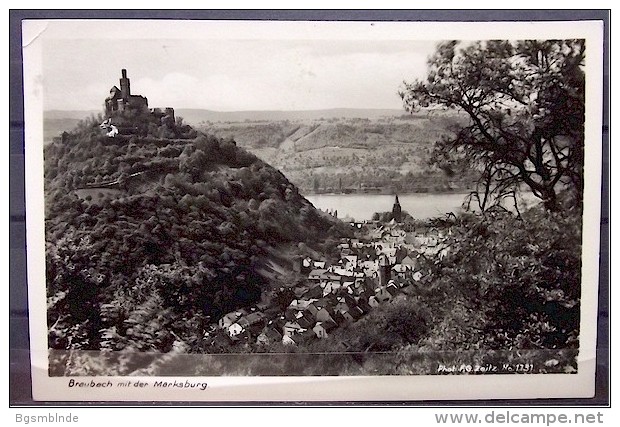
[122, 100]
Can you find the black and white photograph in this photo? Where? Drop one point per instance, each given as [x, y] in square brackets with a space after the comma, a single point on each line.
[274, 203]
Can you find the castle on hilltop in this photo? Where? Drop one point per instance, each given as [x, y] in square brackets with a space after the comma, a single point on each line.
[122, 100]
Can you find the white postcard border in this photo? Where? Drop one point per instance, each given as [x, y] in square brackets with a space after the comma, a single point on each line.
[316, 388]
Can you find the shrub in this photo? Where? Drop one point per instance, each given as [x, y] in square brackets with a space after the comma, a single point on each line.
[522, 277]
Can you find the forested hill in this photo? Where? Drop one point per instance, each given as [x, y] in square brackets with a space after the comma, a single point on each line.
[153, 234]
[389, 153]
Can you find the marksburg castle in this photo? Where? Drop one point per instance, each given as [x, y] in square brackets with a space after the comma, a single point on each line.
[123, 100]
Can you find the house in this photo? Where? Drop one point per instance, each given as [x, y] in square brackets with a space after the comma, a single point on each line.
[341, 271]
[287, 340]
[377, 233]
[345, 316]
[349, 287]
[350, 262]
[269, 335]
[373, 301]
[331, 288]
[319, 264]
[340, 319]
[389, 252]
[319, 308]
[348, 313]
[290, 314]
[410, 263]
[301, 304]
[272, 312]
[230, 318]
[221, 340]
[303, 337]
[316, 274]
[323, 315]
[312, 309]
[314, 292]
[251, 319]
[278, 323]
[341, 306]
[327, 302]
[347, 299]
[417, 276]
[291, 328]
[382, 294]
[356, 312]
[332, 277]
[234, 330]
[370, 265]
[321, 329]
[410, 239]
[305, 265]
[252, 323]
[400, 270]
[392, 290]
[362, 303]
[305, 321]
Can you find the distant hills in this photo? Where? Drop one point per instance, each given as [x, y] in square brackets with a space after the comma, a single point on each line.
[57, 121]
[340, 149]
[386, 151]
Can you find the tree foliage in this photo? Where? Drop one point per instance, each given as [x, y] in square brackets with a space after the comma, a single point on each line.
[178, 240]
[518, 281]
[525, 105]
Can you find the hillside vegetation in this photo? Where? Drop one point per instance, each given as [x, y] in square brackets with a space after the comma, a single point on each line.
[391, 153]
[153, 235]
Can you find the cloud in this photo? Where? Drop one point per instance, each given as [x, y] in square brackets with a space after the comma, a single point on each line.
[238, 74]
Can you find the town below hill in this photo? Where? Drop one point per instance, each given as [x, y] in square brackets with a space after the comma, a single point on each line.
[385, 262]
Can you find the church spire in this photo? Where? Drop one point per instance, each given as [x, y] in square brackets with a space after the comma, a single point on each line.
[397, 210]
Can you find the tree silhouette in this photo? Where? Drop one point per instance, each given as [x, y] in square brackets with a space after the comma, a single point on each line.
[525, 104]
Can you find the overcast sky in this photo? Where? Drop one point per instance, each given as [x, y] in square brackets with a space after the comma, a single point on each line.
[231, 75]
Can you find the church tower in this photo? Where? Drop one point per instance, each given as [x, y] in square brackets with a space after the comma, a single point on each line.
[396, 210]
[125, 90]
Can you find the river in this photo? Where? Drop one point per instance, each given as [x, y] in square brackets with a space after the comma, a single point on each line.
[362, 206]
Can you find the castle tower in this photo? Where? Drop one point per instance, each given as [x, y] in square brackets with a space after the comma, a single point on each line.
[125, 90]
[396, 210]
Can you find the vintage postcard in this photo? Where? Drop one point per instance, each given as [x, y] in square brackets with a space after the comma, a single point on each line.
[314, 211]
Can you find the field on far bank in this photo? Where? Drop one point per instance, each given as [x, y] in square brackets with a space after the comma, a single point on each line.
[383, 154]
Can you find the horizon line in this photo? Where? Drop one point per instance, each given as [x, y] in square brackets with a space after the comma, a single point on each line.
[252, 110]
